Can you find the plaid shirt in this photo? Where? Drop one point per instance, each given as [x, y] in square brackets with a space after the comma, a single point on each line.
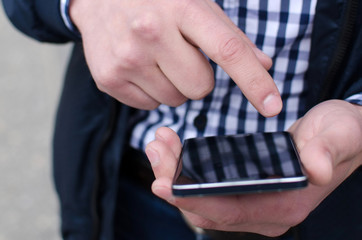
[280, 28]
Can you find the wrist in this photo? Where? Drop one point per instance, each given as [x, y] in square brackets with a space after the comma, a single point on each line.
[76, 11]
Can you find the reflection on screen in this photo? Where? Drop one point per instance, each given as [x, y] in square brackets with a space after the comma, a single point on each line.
[238, 157]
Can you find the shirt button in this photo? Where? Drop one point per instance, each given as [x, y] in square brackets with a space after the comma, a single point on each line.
[200, 122]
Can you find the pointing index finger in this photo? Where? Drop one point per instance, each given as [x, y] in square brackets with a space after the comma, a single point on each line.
[231, 51]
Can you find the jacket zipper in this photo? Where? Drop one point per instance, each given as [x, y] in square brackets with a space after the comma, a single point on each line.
[343, 47]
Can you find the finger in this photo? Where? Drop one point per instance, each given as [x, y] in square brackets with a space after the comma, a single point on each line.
[145, 88]
[185, 66]
[205, 207]
[223, 210]
[170, 137]
[111, 78]
[268, 214]
[264, 59]
[161, 187]
[317, 161]
[234, 55]
[267, 208]
[164, 162]
[324, 152]
[269, 229]
[155, 84]
[131, 95]
[162, 159]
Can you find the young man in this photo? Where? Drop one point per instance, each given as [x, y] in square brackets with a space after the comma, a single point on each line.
[198, 70]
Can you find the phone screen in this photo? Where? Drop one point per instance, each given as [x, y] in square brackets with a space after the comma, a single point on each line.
[238, 164]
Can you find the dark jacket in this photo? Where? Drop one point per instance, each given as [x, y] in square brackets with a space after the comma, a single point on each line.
[91, 127]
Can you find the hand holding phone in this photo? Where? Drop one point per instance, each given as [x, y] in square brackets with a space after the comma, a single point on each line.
[236, 164]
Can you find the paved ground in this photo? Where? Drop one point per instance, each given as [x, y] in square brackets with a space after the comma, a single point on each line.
[30, 79]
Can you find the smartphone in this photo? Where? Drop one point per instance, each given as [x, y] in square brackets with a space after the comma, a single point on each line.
[237, 164]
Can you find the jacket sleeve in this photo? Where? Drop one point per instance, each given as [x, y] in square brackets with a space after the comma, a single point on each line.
[39, 19]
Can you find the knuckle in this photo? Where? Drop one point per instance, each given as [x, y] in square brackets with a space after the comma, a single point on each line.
[105, 78]
[230, 50]
[170, 96]
[255, 82]
[149, 105]
[147, 26]
[177, 101]
[127, 57]
[201, 89]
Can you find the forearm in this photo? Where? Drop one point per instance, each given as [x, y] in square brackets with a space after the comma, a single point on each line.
[39, 19]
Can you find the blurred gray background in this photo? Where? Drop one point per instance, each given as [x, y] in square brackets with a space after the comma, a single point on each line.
[30, 81]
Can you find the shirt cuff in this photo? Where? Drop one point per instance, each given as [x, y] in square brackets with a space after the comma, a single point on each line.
[64, 11]
[356, 99]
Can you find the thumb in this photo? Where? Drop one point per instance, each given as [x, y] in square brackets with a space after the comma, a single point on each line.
[163, 153]
[317, 161]
[162, 160]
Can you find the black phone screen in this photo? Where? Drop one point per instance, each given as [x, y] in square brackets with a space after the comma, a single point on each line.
[238, 164]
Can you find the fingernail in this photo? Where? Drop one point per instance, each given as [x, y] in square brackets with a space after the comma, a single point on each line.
[153, 156]
[272, 104]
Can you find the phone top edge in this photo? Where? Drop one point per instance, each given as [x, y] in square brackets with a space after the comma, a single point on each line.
[239, 183]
